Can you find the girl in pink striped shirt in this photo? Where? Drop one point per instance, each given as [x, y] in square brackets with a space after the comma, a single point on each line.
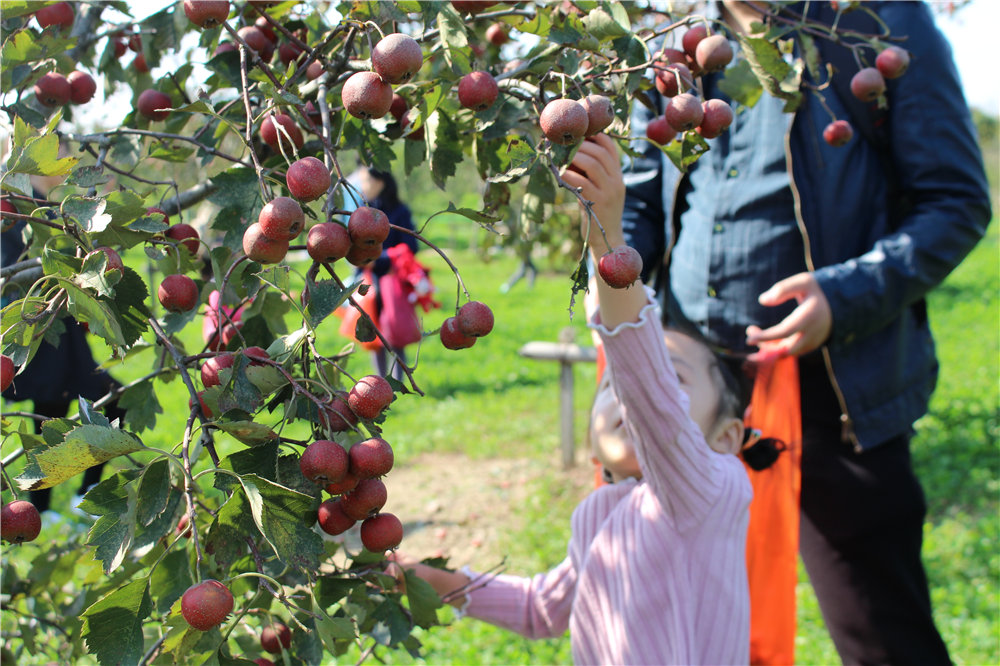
[656, 569]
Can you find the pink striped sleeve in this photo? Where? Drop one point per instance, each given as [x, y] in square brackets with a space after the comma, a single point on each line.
[671, 449]
[536, 607]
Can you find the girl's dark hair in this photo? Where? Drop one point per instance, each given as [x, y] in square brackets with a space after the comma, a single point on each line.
[389, 197]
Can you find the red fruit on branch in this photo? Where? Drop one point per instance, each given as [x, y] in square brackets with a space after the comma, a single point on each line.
[397, 58]
[718, 116]
[381, 533]
[205, 605]
[684, 112]
[153, 104]
[345, 485]
[308, 179]
[206, 14]
[53, 89]
[205, 409]
[366, 499]
[258, 41]
[59, 14]
[366, 95]
[368, 226]
[475, 319]
[892, 62]
[82, 87]
[274, 637]
[324, 462]
[288, 52]
[838, 133]
[659, 131]
[713, 53]
[362, 255]
[370, 396]
[693, 37]
[497, 35]
[452, 336]
[280, 127]
[211, 367]
[600, 113]
[6, 372]
[337, 415]
[399, 107]
[178, 293]
[477, 90]
[564, 121]
[328, 241]
[868, 84]
[331, 517]
[186, 235]
[257, 355]
[620, 267]
[673, 79]
[264, 26]
[370, 458]
[281, 219]
[261, 248]
[19, 521]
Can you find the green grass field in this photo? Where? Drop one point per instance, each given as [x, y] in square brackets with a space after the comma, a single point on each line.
[489, 402]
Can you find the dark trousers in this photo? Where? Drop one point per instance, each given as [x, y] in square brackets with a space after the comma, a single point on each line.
[860, 537]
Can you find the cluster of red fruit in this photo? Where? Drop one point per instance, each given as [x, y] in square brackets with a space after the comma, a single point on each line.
[53, 88]
[703, 52]
[868, 85]
[567, 121]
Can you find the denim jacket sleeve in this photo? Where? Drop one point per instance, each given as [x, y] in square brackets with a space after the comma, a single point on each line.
[939, 170]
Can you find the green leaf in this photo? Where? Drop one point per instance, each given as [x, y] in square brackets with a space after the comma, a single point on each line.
[237, 189]
[97, 313]
[115, 501]
[740, 84]
[248, 432]
[286, 519]
[233, 524]
[112, 627]
[324, 297]
[82, 447]
[424, 601]
[129, 307]
[330, 590]
[776, 76]
[171, 153]
[686, 152]
[13, 8]
[540, 190]
[454, 39]
[171, 578]
[154, 487]
[517, 158]
[87, 211]
[88, 176]
[38, 155]
[391, 624]
[446, 149]
[124, 206]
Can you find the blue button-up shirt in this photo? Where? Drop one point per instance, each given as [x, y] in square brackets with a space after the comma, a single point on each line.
[738, 231]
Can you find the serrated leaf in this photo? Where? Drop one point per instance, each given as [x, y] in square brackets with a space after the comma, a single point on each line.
[740, 84]
[423, 600]
[232, 525]
[686, 152]
[124, 206]
[248, 432]
[112, 533]
[82, 447]
[39, 156]
[445, 147]
[286, 519]
[112, 627]
[171, 153]
[391, 624]
[154, 488]
[454, 39]
[88, 176]
[517, 157]
[776, 76]
[92, 275]
[324, 297]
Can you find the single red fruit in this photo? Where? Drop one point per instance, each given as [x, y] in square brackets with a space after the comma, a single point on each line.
[620, 267]
[139, 64]
[19, 521]
[673, 79]
[718, 116]
[120, 47]
[600, 113]
[308, 179]
[264, 26]
[257, 355]
[154, 104]
[362, 255]
[452, 337]
[659, 131]
[288, 52]
[314, 70]
[337, 415]
[684, 112]
[324, 462]
[368, 226]
[53, 89]
[185, 234]
[206, 14]
[370, 458]
[838, 133]
[114, 260]
[281, 219]
[60, 14]
[381, 533]
[135, 42]
[475, 319]
[477, 90]
[6, 372]
[82, 87]
[274, 637]
[205, 605]
[365, 500]
[328, 241]
[331, 517]
[366, 95]
[472, 6]
[497, 35]
[892, 62]
[257, 40]
[271, 134]
[183, 528]
[370, 396]
[868, 84]
[178, 293]
[713, 53]
[211, 367]
[397, 58]
[345, 485]
[564, 121]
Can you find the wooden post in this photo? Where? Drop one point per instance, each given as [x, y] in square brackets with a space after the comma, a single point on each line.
[567, 353]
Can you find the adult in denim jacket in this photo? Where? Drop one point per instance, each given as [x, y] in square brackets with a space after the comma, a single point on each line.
[845, 242]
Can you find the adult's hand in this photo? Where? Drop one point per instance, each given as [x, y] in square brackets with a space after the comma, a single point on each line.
[802, 331]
